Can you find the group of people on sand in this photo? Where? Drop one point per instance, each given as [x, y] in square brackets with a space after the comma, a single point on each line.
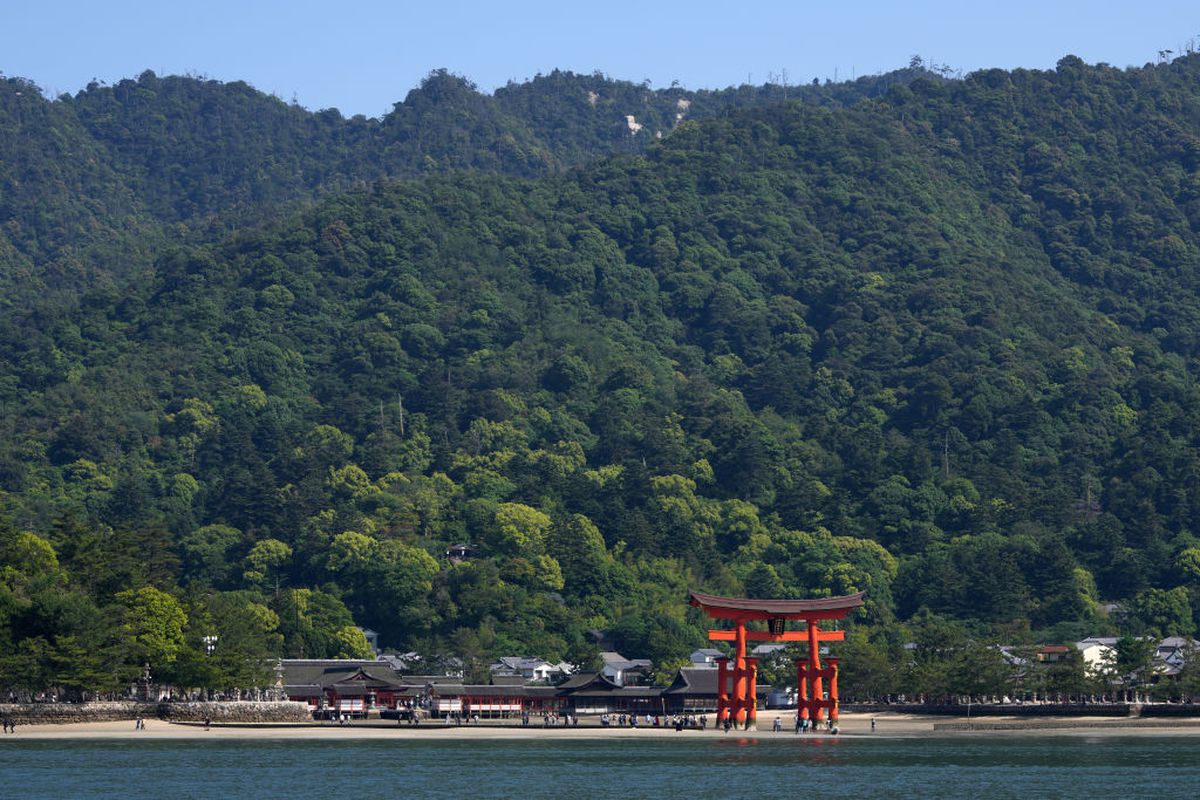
[690, 721]
[560, 721]
[804, 725]
[9, 725]
[678, 721]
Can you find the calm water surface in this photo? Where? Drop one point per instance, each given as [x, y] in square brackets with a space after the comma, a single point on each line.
[976, 768]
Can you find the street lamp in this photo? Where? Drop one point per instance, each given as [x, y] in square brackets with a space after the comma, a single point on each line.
[210, 643]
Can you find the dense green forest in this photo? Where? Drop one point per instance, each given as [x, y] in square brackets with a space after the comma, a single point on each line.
[92, 184]
[931, 339]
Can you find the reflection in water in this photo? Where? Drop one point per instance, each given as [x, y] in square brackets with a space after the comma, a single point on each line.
[783, 750]
[822, 752]
[742, 754]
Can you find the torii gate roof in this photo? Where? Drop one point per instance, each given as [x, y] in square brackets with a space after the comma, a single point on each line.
[818, 608]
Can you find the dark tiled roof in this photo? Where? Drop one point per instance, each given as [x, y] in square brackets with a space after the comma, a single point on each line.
[383, 677]
[694, 681]
[478, 690]
[589, 680]
[508, 680]
[326, 672]
[490, 690]
[436, 680]
[350, 689]
[321, 671]
[650, 692]
[701, 681]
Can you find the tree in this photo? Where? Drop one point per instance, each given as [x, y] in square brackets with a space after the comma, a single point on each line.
[519, 530]
[206, 553]
[247, 640]
[578, 547]
[66, 644]
[980, 671]
[309, 621]
[1128, 663]
[938, 642]
[1189, 675]
[153, 622]
[1066, 676]
[25, 557]
[352, 643]
[1163, 612]
[763, 582]
[266, 561]
[867, 673]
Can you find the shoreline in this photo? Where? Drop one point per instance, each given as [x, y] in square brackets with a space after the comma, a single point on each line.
[851, 725]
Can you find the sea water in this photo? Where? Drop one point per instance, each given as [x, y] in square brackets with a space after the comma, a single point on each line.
[687, 767]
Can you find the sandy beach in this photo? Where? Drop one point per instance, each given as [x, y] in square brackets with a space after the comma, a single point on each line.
[851, 725]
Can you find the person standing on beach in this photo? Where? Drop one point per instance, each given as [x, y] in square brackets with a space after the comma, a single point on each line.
[872, 724]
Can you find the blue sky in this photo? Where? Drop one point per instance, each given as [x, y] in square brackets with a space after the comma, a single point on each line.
[361, 57]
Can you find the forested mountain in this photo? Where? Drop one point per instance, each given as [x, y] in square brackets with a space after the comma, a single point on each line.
[938, 345]
[89, 182]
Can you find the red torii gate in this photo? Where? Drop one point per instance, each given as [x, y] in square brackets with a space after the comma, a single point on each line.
[737, 682]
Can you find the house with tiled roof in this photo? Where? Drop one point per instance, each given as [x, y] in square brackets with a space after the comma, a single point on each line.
[694, 691]
[531, 669]
[1050, 653]
[624, 671]
[1172, 654]
[706, 657]
[1096, 650]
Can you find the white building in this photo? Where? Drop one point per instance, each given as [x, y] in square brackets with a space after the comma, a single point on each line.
[621, 670]
[1096, 650]
[706, 657]
[768, 649]
[531, 669]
